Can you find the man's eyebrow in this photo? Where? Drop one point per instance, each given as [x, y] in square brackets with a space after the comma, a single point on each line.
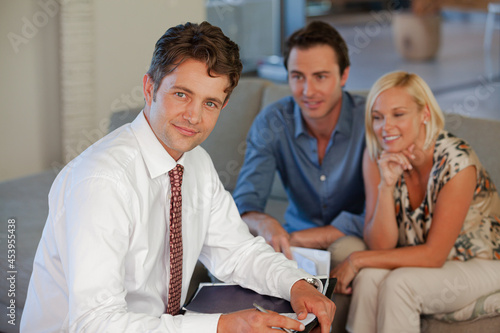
[182, 88]
[315, 73]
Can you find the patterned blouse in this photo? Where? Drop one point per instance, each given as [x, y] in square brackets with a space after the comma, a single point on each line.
[480, 234]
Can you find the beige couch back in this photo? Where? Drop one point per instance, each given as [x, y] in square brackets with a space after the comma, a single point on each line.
[484, 136]
[226, 144]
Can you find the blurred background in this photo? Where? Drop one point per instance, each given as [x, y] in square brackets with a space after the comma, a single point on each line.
[66, 65]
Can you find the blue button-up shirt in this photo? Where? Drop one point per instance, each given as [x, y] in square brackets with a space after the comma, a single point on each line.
[318, 193]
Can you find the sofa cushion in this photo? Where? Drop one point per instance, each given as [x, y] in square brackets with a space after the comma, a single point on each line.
[485, 306]
[24, 200]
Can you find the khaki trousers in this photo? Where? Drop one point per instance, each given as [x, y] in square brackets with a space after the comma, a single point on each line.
[391, 301]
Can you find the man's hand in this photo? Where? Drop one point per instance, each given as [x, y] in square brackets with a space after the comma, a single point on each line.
[269, 228]
[305, 299]
[250, 321]
[316, 238]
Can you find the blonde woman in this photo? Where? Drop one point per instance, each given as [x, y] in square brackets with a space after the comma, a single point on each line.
[432, 215]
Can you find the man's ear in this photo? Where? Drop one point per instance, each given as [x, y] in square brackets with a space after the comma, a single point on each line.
[345, 76]
[148, 88]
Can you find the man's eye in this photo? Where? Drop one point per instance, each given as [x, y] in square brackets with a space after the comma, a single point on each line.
[180, 94]
[211, 104]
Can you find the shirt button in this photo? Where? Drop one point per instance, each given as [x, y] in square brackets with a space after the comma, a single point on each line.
[322, 178]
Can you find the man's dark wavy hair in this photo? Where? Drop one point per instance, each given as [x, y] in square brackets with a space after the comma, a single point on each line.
[203, 42]
[318, 33]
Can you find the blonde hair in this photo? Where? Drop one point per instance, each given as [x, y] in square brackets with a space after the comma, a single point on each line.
[421, 94]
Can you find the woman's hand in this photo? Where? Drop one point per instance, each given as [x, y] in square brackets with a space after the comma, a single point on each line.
[345, 272]
[392, 165]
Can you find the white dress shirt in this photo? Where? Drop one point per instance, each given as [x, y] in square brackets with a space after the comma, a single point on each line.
[102, 263]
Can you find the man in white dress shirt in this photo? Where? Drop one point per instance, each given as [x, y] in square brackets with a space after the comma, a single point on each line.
[103, 264]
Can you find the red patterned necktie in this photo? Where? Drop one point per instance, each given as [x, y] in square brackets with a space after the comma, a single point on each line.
[175, 286]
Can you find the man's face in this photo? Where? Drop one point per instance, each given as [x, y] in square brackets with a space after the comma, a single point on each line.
[315, 80]
[186, 108]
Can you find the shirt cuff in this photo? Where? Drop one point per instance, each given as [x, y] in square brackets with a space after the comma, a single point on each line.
[196, 322]
[299, 277]
[248, 207]
[316, 283]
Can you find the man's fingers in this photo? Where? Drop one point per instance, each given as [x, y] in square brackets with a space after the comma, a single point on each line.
[276, 246]
[281, 244]
[285, 248]
[325, 318]
[255, 321]
[276, 320]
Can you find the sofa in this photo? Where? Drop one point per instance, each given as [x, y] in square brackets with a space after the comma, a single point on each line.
[24, 200]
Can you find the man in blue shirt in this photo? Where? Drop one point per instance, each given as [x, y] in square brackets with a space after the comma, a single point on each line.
[315, 140]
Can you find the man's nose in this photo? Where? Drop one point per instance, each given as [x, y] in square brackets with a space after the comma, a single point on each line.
[309, 88]
[193, 113]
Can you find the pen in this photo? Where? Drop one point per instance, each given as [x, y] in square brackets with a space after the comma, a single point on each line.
[261, 309]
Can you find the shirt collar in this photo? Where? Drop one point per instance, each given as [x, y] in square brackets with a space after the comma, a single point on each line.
[158, 161]
[344, 123]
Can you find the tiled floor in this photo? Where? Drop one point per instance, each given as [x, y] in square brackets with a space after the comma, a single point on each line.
[464, 78]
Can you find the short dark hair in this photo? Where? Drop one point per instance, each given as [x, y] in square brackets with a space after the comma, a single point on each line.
[318, 33]
[203, 42]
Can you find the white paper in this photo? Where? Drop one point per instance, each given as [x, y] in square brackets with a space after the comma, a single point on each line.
[305, 263]
[307, 258]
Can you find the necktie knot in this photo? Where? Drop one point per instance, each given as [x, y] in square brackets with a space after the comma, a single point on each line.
[176, 175]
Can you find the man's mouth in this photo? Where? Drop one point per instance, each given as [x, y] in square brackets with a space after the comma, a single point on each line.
[312, 104]
[186, 130]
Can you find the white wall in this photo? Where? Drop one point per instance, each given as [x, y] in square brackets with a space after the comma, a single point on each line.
[125, 34]
[29, 91]
[125, 44]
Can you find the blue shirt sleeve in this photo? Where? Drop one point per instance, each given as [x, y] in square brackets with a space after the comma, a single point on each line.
[257, 173]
